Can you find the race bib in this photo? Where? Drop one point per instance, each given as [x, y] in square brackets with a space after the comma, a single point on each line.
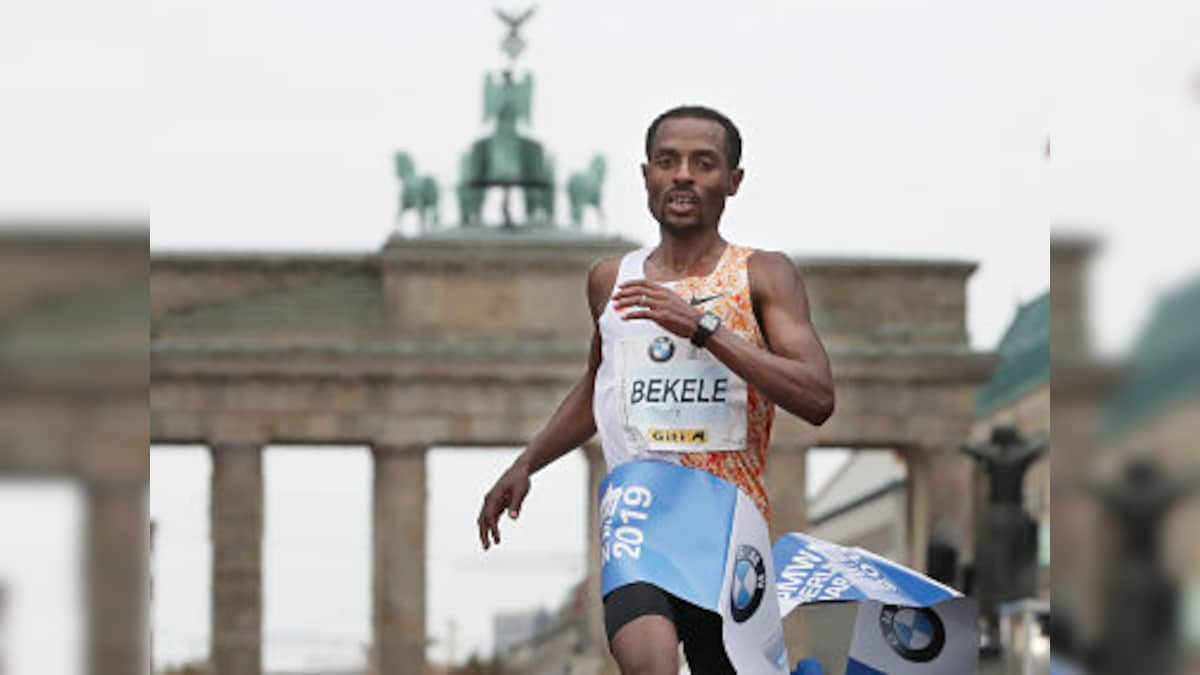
[677, 397]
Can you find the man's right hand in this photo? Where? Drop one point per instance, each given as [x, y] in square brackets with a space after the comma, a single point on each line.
[508, 493]
[569, 427]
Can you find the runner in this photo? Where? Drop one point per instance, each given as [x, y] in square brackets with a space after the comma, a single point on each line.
[752, 346]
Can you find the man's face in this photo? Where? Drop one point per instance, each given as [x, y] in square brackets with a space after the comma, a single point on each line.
[688, 175]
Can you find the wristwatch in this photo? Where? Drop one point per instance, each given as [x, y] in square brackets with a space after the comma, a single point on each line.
[709, 323]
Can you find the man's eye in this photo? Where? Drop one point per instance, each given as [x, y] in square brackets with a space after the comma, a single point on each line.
[665, 162]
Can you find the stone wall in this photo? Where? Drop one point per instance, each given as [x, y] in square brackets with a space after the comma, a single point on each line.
[897, 303]
[73, 376]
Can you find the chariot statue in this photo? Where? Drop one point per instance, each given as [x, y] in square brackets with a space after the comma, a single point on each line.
[507, 158]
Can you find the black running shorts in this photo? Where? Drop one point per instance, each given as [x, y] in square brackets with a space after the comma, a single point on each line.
[698, 629]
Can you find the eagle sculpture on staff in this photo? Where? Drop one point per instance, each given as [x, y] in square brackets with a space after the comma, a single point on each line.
[513, 45]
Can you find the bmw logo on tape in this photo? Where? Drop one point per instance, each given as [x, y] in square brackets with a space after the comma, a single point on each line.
[915, 633]
[749, 583]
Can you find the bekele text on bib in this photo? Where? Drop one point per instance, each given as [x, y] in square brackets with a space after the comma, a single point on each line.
[676, 397]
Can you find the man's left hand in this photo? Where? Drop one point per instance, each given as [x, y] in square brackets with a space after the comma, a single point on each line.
[641, 299]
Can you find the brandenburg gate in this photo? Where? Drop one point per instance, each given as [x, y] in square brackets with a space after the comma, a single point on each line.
[471, 339]
[470, 336]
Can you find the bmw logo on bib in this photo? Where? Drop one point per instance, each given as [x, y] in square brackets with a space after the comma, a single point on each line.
[662, 349]
[749, 583]
[915, 633]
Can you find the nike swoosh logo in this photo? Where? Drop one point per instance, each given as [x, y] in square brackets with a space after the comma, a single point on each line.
[700, 301]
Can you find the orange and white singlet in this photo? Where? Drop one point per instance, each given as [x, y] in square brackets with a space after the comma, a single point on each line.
[658, 396]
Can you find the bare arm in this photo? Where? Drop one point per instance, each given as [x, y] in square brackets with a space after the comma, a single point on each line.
[793, 372]
[571, 425]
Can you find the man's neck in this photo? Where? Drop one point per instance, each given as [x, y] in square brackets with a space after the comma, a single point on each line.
[689, 253]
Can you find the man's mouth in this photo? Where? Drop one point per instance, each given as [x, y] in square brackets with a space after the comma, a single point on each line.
[682, 202]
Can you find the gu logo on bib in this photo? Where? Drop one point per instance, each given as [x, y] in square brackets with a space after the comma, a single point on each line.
[689, 436]
[915, 633]
[749, 582]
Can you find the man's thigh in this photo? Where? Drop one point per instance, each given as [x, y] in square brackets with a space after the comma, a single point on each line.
[645, 625]
[640, 622]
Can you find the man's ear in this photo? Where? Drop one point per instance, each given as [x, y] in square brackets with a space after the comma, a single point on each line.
[646, 175]
[735, 180]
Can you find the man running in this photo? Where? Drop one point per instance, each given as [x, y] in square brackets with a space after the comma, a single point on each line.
[752, 347]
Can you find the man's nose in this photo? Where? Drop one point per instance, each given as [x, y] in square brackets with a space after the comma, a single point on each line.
[683, 173]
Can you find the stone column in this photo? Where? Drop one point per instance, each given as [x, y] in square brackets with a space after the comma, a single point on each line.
[787, 486]
[398, 560]
[917, 486]
[940, 498]
[594, 634]
[117, 578]
[236, 513]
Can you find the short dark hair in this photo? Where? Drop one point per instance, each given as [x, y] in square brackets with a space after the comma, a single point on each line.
[733, 139]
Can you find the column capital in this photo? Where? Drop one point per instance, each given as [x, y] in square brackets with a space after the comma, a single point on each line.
[236, 445]
[384, 450]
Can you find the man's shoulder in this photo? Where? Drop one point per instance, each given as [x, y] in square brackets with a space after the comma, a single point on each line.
[604, 271]
[601, 277]
[769, 266]
[608, 265]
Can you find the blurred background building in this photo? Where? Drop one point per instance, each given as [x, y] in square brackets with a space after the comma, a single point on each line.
[72, 390]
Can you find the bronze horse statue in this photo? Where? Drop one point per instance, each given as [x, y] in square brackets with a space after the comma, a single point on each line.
[583, 189]
[417, 192]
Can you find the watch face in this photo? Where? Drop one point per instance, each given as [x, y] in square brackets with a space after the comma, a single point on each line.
[710, 322]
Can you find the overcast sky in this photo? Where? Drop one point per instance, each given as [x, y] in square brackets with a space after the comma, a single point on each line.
[871, 128]
[881, 131]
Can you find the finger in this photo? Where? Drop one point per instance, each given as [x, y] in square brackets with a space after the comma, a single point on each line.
[483, 538]
[488, 515]
[629, 295]
[637, 294]
[634, 289]
[640, 290]
[494, 528]
[631, 302]
[638, 314]
[518, 498]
